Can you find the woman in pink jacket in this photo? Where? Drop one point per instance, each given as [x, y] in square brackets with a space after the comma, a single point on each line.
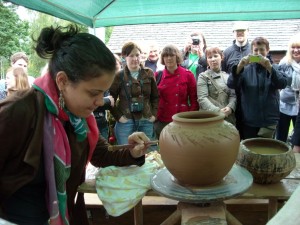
[176, 86]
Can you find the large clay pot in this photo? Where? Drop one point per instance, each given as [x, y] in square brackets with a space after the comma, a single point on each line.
[268, 160]
[199, 148]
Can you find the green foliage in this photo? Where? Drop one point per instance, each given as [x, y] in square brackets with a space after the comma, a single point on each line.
[39, 21]
[108, 32]
[14, 34]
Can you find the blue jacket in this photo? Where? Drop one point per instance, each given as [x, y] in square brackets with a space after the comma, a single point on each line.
[259, 93]
[288, 97]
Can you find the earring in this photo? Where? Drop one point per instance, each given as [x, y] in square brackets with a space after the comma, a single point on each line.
[61, 101]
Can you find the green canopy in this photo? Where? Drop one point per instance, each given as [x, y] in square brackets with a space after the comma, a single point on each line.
[101, 13]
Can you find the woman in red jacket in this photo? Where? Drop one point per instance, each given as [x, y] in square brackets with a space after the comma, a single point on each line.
[176, 87]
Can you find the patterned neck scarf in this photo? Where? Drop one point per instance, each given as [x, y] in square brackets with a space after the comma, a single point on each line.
[296, 76]
[56, 148]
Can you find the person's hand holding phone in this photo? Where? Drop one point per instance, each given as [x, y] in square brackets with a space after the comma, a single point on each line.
[265, 62]
[243, 62]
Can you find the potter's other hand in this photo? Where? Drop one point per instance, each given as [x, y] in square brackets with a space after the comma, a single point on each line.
[227, 111]
[140, 148]
[296, 149]
[152, 119]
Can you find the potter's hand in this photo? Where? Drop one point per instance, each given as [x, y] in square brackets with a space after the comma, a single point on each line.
[265, 62]
[226, 110]
[140, 148]
[296, 149]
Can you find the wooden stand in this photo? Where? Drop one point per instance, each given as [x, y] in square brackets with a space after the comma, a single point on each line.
[215, 213]
[273, 192]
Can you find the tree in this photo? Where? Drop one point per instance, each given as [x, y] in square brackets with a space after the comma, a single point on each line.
[39, 21]
[108, 32]
[14, 34]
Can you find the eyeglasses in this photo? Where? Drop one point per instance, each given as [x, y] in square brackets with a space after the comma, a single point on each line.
[169, 55]
[295, 47]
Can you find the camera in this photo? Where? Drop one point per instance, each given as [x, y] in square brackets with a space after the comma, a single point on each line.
[136, 107]
[196, 41]
[254, 58]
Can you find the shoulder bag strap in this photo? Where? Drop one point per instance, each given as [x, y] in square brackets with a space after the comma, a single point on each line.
[215, 83]
[193, 62]
[128, 99]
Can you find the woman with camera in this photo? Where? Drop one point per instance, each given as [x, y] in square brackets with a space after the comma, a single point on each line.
[176, 86]
[137, 94]
[193, 54]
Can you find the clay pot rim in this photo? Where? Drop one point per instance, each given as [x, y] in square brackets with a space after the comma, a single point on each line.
[215, 116]
[266, 140]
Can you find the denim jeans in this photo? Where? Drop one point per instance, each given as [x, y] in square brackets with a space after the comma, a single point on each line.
[123, 130]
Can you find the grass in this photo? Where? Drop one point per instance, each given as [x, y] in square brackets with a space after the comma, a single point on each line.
[291, 127]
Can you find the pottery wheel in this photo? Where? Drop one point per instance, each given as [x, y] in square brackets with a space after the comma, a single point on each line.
[236, 182]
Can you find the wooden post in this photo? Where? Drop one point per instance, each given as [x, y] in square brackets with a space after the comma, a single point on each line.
[173, 218]
[231, 220]
[138, 213]
[272, 207]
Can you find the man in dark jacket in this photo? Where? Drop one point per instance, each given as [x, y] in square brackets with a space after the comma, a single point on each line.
[232, 56]
[258, 81]
[240, 47]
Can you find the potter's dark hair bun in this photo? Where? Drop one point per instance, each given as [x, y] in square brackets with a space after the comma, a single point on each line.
[52, 38]
[82, 56]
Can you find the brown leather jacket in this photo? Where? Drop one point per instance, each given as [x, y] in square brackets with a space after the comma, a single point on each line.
[21, 135]
[145, 85]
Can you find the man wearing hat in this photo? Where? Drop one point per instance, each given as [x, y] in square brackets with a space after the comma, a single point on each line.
[232, 55]
[239, 48]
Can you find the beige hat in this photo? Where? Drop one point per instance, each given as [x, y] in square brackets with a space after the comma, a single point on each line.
[240, 25]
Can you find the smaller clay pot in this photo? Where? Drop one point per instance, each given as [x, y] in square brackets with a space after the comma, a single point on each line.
[268, 160]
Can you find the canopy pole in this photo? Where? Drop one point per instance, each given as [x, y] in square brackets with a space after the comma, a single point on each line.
[94, 27]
